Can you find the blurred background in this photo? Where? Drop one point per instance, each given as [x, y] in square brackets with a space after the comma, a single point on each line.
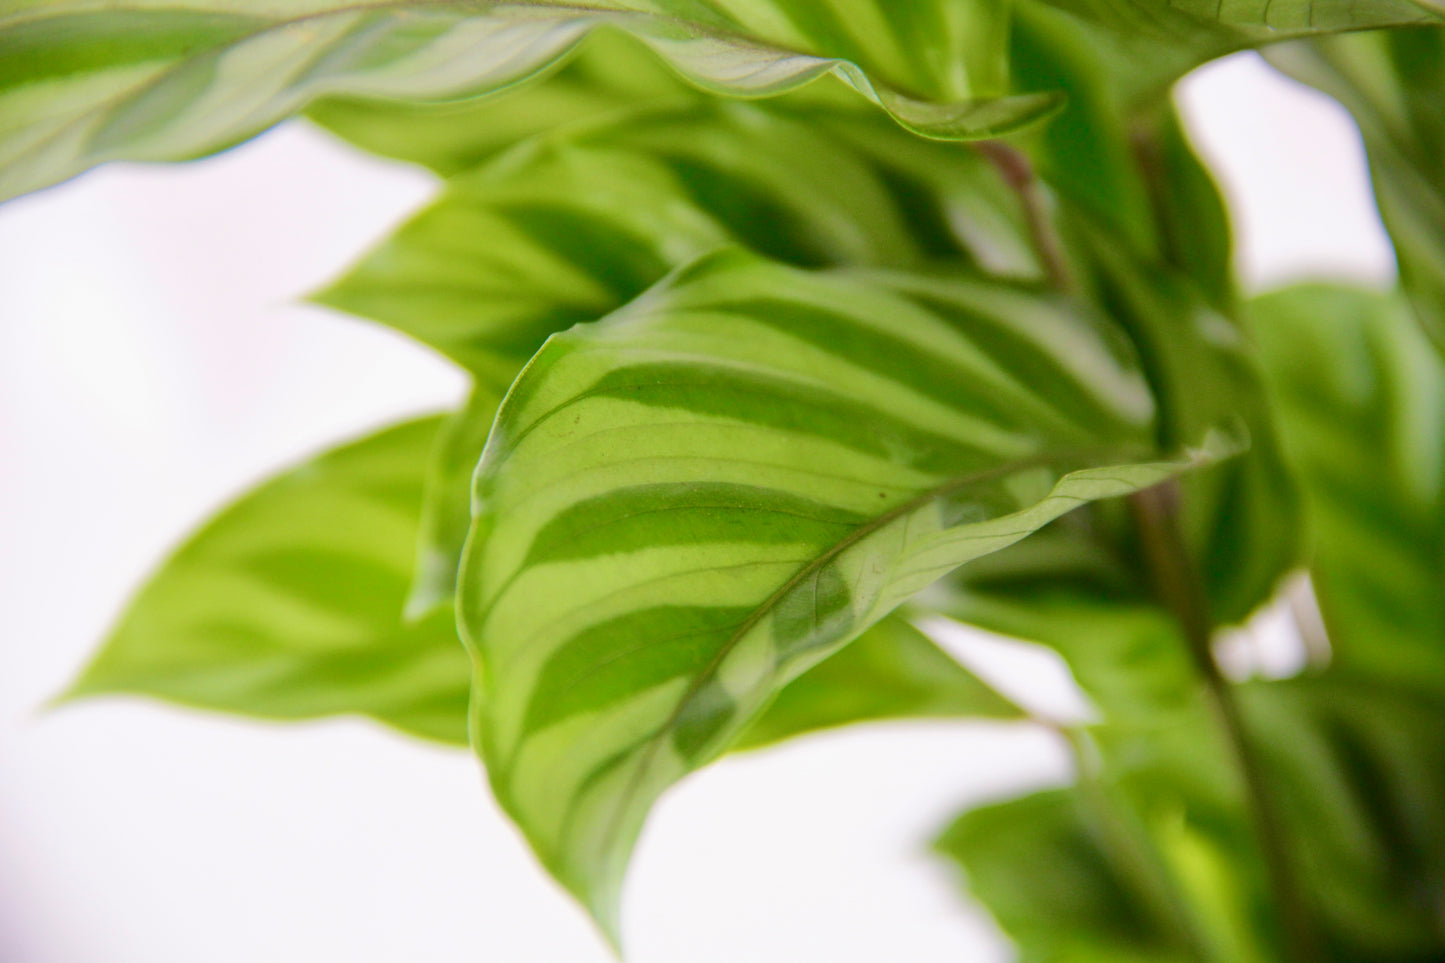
[155, 362]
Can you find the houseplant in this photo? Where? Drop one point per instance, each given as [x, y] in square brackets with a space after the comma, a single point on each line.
[809, 360]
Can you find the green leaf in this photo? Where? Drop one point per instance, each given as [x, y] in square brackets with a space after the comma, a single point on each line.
[80, 86]
[1241, 518]
[1392, 83]
[1152, 855]
[1069, 588]
[1359, 769]
[1112, 151]
[1058, 881]
[611, 74]
[685, 506]
[574, 224]
[891, 671]
[569, 227]
[1143, 46]
[1361, 405]
[288, 604]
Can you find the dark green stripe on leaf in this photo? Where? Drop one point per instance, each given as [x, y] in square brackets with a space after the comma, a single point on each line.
[689, 513]
[611, 662]
[787, 405]
[703, 717]
[56, 47]
[752, 214]
[815, 613]
[904, 362]
[619, 261]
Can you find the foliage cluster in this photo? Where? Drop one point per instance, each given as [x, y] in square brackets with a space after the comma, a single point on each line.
[791, 322]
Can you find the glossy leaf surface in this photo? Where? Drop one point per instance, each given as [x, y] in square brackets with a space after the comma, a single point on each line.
[83, 84]
[686, 505]
[288, 604]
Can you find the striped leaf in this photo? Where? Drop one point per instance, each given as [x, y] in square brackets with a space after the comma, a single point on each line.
[288, 604]
[570, 227]
[574, 225]
[685, 506]
[81, 84]
[611, 74]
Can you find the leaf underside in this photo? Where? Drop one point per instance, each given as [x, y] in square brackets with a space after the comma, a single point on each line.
[81, 85]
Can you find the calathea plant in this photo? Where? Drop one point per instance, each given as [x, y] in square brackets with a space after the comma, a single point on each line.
[791, 322]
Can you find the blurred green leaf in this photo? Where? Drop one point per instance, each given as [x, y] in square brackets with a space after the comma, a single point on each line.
[1142, 46]
[1153, 851]
[446, 514]
[1060, 882]
[569, 227]
[1361, 405]
[1360, 772]
[288, 604]
[1066, 588]
[1116, 150]
[891, 671]
[1392, 83]
[1241, 518]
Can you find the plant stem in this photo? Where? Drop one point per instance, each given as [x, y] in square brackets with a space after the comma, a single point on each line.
[1156, 512]
[1017, 171]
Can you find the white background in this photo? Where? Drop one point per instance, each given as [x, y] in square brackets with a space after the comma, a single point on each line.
[154, 363]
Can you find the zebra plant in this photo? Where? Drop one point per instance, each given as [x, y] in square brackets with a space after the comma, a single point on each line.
[792, 323]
